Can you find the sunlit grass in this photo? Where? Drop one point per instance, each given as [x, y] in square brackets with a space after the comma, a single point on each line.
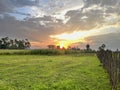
[34, 72]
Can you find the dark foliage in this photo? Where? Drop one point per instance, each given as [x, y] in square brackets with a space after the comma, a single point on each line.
[87, 47]
[6, 43]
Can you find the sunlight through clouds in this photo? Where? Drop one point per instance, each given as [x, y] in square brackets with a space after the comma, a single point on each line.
[61, 22]
[80, 36]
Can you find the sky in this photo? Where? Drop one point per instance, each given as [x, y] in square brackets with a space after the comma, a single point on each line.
[62, 22]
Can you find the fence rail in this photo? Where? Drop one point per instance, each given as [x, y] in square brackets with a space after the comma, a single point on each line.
[111, 63]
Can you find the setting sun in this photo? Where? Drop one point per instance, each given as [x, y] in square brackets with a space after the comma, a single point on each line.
[66, 39]
[60, 44]
[63, 44]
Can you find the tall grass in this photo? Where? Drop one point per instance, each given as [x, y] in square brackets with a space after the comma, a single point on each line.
[44, 52]
[47, 52]
[32, 52]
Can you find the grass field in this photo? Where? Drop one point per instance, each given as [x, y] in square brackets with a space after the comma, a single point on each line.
[35, 72]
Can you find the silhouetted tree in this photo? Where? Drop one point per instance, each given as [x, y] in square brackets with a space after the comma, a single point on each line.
[87, 47]
[51, 46]
[27, 43]
[102, 47]
[6, 43]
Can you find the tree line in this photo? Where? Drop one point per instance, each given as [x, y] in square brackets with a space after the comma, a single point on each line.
[7, 43]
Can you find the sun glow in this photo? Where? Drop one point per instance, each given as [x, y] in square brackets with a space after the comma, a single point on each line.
[66, 39]
[66, 43]
[63, 44]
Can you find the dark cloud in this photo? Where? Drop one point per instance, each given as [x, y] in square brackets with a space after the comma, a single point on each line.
[5, 6]
[111, 40]
[101, 2]
[91, 20]
[30, 28]
[23, 2]
[11, 27]
[44, 18]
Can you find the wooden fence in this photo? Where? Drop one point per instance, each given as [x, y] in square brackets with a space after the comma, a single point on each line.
[111, 62]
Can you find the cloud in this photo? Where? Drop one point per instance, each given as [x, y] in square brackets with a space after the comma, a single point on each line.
[38, 19]
[9, 26]
[97, 13]
[111, 40]
[28, 12]
[5, 6]
[24, 2]
[101, 2]
[31, 29]
[80, 36]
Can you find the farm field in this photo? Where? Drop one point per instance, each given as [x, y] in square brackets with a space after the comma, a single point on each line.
[42, 72]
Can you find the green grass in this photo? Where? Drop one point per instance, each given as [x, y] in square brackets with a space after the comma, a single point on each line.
[33, 52]
[44, 52]
[35, 72]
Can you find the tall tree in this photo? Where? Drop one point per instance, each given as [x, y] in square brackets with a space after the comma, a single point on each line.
[27, 43]
[6, 43]
[102, 47]
[87, 47]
